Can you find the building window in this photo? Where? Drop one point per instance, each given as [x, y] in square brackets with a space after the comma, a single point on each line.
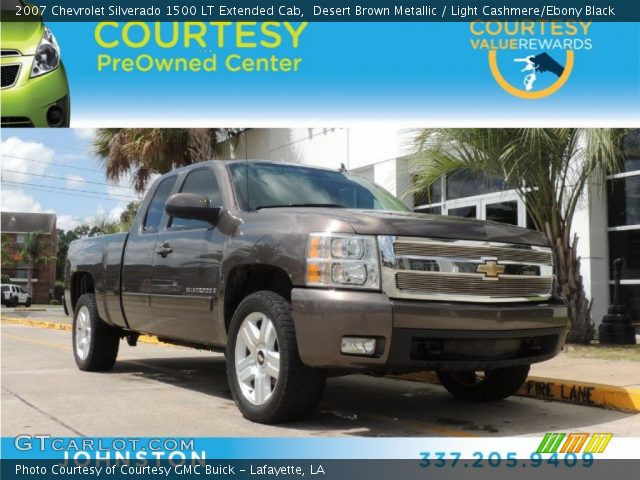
[464, 212]
[504, 212]
[473, 195]
[624, 200]
[466, 183]
[623, 192]
[20, 238]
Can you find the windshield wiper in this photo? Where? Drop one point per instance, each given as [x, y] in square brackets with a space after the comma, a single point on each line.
[293, 205]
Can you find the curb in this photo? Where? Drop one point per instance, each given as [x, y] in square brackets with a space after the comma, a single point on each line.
[542, 388]
[624, 399]
[587, 394]
[67, 327]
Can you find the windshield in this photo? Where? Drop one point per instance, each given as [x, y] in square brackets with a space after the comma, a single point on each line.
[273, 185]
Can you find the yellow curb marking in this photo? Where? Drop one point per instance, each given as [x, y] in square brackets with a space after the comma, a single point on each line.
[624, 399]
[67, 327]
[582, 393]
[578, 393]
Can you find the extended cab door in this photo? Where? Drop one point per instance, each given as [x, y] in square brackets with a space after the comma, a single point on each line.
[138, 258]
[186, 269]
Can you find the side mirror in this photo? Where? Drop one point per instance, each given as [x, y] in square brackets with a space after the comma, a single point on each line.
[192, 206]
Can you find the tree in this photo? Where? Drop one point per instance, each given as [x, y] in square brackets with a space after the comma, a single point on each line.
[35, 251]
[8, 250]
[549, 168]
[145, 152]
[128, 216]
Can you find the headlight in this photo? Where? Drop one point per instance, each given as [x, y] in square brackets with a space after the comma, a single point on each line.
[340, 260]
[47, 57]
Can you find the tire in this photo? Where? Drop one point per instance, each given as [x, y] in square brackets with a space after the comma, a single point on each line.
[14, 302]
[261, 332]
[494, 385]
[28, 302]
[95, 343]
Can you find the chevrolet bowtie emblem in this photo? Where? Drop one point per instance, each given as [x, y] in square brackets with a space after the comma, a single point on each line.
[491, 269]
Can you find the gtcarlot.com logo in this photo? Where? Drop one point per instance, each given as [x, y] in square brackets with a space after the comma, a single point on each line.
[574, 442]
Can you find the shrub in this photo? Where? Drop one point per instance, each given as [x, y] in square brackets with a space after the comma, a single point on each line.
[54, 302]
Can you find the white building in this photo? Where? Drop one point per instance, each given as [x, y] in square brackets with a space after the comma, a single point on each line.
[607, 222]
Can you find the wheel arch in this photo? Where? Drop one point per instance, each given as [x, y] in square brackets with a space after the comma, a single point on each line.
[81, 283]
[243, 280]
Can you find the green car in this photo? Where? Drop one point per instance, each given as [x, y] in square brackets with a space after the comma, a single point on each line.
[35, 92]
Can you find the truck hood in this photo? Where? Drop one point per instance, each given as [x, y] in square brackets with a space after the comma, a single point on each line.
[409, 224]
[21, 36]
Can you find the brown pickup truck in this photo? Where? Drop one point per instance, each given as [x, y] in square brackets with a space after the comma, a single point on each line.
[298, 273]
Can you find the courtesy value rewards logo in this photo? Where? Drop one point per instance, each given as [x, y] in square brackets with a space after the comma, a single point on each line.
[574, 442]
[530, 60]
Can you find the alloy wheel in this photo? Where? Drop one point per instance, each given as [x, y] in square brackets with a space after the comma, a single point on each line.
[83, 333]
[257, 358]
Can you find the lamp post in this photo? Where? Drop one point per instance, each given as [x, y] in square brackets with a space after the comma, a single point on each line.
[616, 327]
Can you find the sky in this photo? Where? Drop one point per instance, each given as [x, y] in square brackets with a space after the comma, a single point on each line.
[53, 171]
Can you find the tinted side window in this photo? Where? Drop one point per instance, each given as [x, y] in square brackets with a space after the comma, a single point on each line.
[156, 207]
[5, 289]
[204, 182]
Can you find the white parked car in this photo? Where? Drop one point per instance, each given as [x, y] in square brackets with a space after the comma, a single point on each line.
[14, 295]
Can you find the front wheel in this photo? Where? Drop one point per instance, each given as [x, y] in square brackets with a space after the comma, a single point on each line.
[28, 302]
[95, 343]
[486, 385]
[268, 381]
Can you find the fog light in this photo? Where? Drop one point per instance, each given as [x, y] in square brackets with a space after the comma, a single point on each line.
[55, 116]
[358, 345]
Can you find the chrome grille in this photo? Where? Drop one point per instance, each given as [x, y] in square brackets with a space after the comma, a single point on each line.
[466, 271]
[448, 284]
[521, 255]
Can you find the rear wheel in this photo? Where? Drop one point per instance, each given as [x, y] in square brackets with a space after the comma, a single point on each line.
[268, 381]
[14, 302]
[486, 385]
[95, 343]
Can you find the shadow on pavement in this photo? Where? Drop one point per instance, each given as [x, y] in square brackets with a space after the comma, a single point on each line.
[370, 406]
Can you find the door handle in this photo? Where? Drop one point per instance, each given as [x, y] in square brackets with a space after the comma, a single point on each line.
[165, 250]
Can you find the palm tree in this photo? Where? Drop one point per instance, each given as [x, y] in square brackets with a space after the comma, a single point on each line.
[549, 168]
[144, 152]
[35, 250]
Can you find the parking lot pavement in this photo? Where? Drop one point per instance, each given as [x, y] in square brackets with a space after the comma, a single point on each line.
[167, 390]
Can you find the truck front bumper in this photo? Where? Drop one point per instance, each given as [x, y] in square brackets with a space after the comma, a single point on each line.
[423, 335]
